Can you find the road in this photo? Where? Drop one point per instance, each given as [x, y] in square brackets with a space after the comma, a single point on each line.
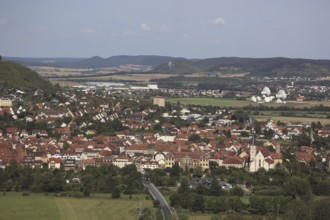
[156, 195]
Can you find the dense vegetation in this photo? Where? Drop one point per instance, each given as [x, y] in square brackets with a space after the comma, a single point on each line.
[96, 61]
[278, 192]
[255, 66]
[16, 76]
[103, 179]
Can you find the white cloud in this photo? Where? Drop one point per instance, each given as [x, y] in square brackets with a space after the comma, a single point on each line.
[218, 21]
[88, 31]
[145, 27]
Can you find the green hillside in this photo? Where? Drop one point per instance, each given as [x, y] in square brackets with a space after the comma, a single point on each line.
[13, 75]
[276, 66]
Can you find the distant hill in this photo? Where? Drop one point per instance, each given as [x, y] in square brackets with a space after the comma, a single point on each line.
[94, 62]
[166, 64]
[255, 66]
[42, 61]
[13, 75]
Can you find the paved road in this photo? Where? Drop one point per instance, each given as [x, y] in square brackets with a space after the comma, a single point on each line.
[156, 195]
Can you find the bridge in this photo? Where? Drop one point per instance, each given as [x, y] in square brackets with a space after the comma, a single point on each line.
[156, 195]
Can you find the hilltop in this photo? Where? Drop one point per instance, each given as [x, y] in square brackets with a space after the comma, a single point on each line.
[275, 66]
[95, 61]
[14, 75]
[254, 66]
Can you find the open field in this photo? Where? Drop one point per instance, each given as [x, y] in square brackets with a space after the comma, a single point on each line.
[302, 115]
[76, 72]
[141, 77]
[217, 74]
[211, 101]
[38, 206]
[292, 119]
[57, 71]
[64, 83]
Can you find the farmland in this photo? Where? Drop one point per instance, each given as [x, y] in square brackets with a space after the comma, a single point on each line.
[227, 102]
[301, 114]
[40, 206]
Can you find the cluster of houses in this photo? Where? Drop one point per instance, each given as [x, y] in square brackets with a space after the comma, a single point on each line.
[69, 144]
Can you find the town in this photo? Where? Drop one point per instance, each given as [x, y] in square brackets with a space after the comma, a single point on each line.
[111, 126]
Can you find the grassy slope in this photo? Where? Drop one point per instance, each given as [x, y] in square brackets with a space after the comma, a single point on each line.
[39, 206]
[13, 75]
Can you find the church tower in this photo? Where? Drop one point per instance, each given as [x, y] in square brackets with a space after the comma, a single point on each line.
[253, 154]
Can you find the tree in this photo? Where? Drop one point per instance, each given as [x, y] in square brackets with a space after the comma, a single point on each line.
[215, 188]
[237, 191]
[146, 214]
[258, 205]
[201, 189]
[298, 188]
[323, 188]
[321, 209]
[297, 210]
[227, 133]
[199, 204]
[175, 171]
[195, 138]
[115, 193]
[184, 185]
[86, 191]
[26, 177]
[198, 172]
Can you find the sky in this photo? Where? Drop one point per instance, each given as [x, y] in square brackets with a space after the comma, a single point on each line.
[179, 28]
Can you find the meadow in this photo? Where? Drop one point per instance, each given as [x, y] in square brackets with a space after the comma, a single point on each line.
[302, 114]
[231, 102]
[39, 206]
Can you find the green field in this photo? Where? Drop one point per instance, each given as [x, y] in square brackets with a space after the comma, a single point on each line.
[210, 101]
[227, 102]
[38, 206]
[302, 115]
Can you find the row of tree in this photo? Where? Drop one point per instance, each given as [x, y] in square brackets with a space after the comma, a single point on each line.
[104, 179]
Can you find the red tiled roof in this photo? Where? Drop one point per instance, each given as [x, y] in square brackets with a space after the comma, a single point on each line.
[303, 156]
[233, 160]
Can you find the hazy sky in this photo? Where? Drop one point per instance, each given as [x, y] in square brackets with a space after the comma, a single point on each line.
[181, 28]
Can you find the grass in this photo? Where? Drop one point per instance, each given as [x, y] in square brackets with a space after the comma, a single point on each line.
[220, 102]
[303, 116]
[292, 119]
[199, 216]
[227, 102]
[38, 206]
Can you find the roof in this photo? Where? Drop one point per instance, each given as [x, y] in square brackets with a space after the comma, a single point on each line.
[303, 156]
[233, 160]
[55, 160]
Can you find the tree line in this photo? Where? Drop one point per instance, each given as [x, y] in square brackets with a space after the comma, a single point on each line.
[103, 179]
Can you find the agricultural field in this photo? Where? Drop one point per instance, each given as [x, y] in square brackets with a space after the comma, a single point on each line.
[219, 102]
[216, 74]
[300, 115]
[227, 102]
[39, 206]
[303, 120]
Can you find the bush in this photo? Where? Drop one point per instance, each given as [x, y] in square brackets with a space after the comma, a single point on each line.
[237, 191]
